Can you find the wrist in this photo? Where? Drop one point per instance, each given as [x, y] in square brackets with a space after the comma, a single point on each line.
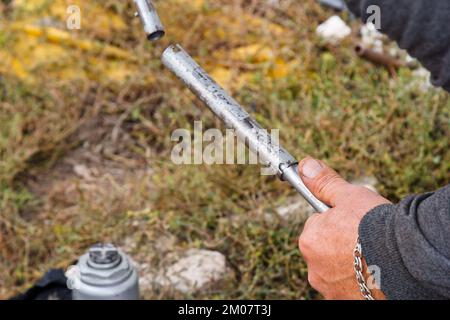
[368, 279]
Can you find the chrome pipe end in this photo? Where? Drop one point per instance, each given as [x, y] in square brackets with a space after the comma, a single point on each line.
[150, 19]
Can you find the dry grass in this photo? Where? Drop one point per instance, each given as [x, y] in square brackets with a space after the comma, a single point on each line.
[85, 138]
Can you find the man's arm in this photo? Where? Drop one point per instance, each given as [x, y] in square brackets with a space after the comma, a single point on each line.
[420, 27]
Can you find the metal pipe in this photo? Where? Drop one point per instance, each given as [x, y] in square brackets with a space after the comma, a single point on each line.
[235, 117]
[150, 19]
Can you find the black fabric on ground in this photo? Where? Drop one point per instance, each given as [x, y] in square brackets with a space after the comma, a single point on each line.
[52, 286]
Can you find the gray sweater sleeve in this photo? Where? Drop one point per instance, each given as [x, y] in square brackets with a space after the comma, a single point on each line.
[410, 241]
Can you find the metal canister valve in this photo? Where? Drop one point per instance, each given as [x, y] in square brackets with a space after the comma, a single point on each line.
[105, 273]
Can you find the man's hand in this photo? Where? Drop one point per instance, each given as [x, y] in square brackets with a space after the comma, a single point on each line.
[329, 238]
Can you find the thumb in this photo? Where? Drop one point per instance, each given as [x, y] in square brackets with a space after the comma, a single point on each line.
[325, 183]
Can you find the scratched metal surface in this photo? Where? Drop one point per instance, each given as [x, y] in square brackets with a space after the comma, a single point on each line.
[226, 108]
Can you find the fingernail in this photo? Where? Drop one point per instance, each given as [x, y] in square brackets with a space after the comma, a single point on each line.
[311, 168]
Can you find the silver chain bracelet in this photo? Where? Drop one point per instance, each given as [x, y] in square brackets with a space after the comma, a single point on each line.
[358, 266]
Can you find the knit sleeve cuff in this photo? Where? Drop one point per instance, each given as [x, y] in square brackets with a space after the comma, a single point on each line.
[380, 250]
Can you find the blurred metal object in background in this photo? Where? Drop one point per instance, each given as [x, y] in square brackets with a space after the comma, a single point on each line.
[235, 117]
[334, 4]
[150, 19]
[104, 273]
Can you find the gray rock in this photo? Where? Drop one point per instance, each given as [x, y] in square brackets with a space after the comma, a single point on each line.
[422, 80]
[197, 269]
